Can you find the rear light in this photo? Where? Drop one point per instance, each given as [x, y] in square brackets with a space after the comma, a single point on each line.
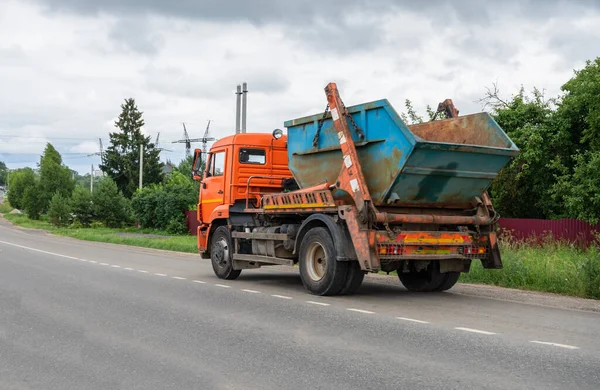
[473, 250]
[390, 250]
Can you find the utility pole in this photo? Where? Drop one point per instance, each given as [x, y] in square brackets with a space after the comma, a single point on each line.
[141, 164]
[92, 180]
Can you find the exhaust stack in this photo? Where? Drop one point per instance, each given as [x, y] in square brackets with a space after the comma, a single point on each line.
[244, 105]
[237, 109]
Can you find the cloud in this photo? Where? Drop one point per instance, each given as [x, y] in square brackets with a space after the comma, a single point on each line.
[135, 35]
[65, 73]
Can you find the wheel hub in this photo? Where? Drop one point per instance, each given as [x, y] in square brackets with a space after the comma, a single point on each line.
[316, 261]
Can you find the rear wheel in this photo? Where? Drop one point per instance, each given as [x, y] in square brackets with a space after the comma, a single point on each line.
[354, 278]
[221, 255]
[451, 279]
[320, 271]
[429, 279]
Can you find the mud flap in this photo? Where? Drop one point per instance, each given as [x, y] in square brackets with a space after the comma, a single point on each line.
[493, 261]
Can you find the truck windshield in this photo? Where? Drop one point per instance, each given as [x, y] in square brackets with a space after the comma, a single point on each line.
[252, 156]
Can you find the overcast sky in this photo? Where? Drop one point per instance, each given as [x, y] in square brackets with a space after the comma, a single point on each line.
[67, 65]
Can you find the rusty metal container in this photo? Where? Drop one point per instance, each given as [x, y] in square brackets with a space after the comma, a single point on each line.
[442, 163]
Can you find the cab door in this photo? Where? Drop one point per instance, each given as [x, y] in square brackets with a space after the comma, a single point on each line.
[212, 189]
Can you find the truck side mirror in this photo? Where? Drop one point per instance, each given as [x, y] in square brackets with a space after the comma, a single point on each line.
[197, 165]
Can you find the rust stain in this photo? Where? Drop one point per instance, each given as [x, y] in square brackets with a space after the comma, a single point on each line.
[464, 130]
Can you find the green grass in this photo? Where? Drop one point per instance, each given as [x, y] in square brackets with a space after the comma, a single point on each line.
[5, 208]
[171, 243]
[555, 267]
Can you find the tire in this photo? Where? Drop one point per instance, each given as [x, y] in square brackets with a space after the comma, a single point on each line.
[354, 279]
[320, 271]
[428, 280]
[221, 254]
[451, 279]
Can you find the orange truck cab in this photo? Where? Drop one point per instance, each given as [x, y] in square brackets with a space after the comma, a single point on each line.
[238, 170]
[351, 191]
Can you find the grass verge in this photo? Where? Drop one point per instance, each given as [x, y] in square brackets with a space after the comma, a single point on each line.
[555, 267]
[171, 243]
[5, 208]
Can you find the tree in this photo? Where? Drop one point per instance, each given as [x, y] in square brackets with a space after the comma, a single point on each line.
[121, 159]
[54, 176]
[19, 181]
[59, 210]
[81, 205]
[578, 185]
[109, 204]
[522, 189]
[3, 173]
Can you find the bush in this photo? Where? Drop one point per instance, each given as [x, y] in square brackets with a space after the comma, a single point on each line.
[110, 206]
[96, 225]
[163, 206]
[82, 207]
[59, 210]
[33, 201]
[19, 181]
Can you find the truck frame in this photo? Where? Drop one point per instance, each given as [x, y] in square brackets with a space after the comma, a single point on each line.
[252, 214]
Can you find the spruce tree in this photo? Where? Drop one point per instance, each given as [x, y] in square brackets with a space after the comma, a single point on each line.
[121, 161]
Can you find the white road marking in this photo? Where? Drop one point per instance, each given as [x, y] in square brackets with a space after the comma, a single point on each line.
[179, 278]
[116, 266]
[84, 260]
[555, 344]
[412, 320]
[157, 274]
[318, 303]
[199, 281]
[361, 311]
[128, 269]
[476, 331]
[251, 291]
[281, 296]
[104, 264]
[39, 250]
[93, 261]
[142, 271]
[222, 285]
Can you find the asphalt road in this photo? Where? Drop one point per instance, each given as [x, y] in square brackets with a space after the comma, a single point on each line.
[81, 315]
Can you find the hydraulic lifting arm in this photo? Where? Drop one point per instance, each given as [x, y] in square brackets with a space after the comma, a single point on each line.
[351, 178]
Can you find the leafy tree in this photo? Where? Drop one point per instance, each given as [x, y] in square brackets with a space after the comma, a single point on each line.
[59, 210]
[522, 189]
[121, 159]
[19, 181]
[109, 204]
[3, 173]
[54, 176]
[33, 200]
[82, 207]
[578, 185]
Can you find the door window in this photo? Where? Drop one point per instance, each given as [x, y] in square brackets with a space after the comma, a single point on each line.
[218, 164]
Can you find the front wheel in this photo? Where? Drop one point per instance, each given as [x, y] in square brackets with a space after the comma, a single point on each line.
[320, 271]
[221, 255]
